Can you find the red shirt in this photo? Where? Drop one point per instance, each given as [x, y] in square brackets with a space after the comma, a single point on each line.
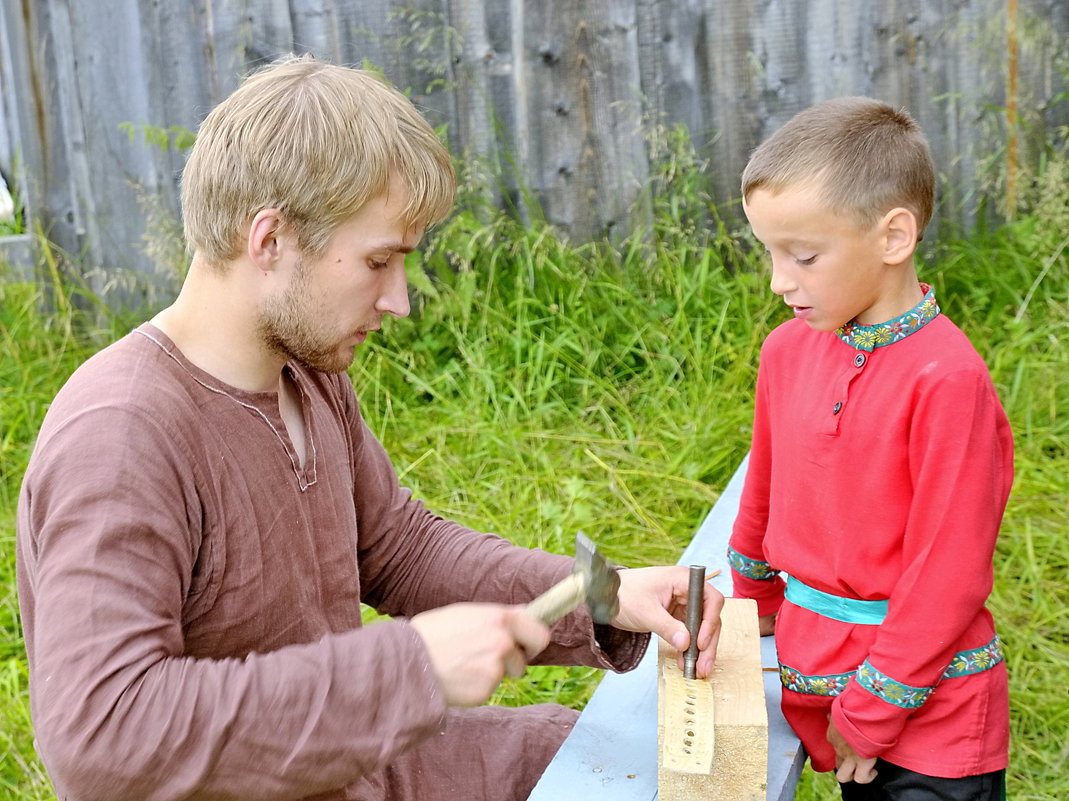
[882, 475]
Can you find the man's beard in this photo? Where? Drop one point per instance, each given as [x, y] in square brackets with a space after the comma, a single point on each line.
[286, 325]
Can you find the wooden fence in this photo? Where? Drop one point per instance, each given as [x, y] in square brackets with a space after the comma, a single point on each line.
[552, 96]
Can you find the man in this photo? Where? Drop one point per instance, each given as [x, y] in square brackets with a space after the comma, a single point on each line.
[205, 509]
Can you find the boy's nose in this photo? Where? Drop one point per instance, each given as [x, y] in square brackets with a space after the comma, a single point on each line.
[781, 282]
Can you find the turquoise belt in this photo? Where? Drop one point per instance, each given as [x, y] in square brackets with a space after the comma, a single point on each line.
[846, 610]
[872, 613]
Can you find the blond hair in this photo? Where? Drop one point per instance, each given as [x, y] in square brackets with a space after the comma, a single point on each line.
[316, 141]
[867, 157]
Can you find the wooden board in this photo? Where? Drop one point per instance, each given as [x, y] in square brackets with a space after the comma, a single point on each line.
[685, 718]
[713, 734]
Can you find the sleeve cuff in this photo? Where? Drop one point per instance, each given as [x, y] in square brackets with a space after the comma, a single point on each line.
[756, 579]
[577, 640]
[619, 651]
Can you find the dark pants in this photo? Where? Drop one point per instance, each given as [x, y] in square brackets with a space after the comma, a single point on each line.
[893, 783]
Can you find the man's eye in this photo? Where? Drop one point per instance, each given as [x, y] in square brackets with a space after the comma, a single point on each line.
[379, 265]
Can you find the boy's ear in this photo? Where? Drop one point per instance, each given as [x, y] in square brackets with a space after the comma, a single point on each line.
[262, 243]
[900, 235]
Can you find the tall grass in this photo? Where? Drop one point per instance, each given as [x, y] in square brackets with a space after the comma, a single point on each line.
[46, 331]
[543, 386]
[1010, 289]
[589, 356]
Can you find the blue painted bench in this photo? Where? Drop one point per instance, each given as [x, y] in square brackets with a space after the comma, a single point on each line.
[612, 752]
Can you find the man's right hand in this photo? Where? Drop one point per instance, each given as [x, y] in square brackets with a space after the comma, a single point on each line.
[474, 646]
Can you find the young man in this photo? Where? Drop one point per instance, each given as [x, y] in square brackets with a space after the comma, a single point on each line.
[205, 509]
[880, 469]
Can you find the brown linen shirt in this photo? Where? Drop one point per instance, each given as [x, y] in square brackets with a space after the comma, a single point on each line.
[191, 594]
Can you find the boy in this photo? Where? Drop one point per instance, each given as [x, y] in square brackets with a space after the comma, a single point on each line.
[879, 472]
[205, 509]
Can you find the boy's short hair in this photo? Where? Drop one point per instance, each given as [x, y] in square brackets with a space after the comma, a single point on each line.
[316, 141]
[868, 157]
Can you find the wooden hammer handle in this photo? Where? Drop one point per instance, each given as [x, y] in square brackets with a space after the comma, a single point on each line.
[560, 599]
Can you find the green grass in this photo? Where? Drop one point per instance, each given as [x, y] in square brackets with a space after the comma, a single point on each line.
[541, 387]
[38, 350]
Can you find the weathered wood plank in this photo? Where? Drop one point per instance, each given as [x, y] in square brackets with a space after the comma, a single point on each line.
[553, 94]
[686, 721]
[587, 155]
[713, 733]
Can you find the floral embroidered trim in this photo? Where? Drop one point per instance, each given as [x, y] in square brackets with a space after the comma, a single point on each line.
[813, 685]
[751, 568]
[869, 337]
[964, 663]
[887, 689]
[975, 661]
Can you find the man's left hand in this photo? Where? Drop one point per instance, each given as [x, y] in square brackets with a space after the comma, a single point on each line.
[655, 599]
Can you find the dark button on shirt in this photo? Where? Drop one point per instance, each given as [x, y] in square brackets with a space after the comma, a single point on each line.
[859, 360]
[838, 407]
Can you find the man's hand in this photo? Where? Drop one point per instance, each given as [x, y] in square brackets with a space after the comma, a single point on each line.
[655, 599]
[849, 767]
[474, 646]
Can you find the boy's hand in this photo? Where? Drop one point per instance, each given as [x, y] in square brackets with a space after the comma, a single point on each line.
[766, 625]
[849, 767]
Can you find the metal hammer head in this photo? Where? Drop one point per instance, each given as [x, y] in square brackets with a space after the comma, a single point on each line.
[602, 580]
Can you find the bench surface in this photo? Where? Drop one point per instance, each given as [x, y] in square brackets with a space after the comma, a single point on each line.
[612, 751]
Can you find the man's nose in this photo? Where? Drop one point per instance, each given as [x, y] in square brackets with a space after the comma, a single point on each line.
[394, 297]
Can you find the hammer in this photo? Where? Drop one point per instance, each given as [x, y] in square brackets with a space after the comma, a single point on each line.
[593, 579]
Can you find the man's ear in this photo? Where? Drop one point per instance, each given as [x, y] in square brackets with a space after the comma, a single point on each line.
[900, 235]
[262, 243]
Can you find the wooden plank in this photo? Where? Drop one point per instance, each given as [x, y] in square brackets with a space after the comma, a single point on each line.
[16, 257]
[612, 751]
[686, 715]
[719, 750]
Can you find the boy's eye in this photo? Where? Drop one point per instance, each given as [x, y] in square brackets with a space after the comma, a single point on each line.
[806, 261]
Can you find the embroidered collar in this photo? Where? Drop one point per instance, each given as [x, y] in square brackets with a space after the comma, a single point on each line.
[869, 337]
